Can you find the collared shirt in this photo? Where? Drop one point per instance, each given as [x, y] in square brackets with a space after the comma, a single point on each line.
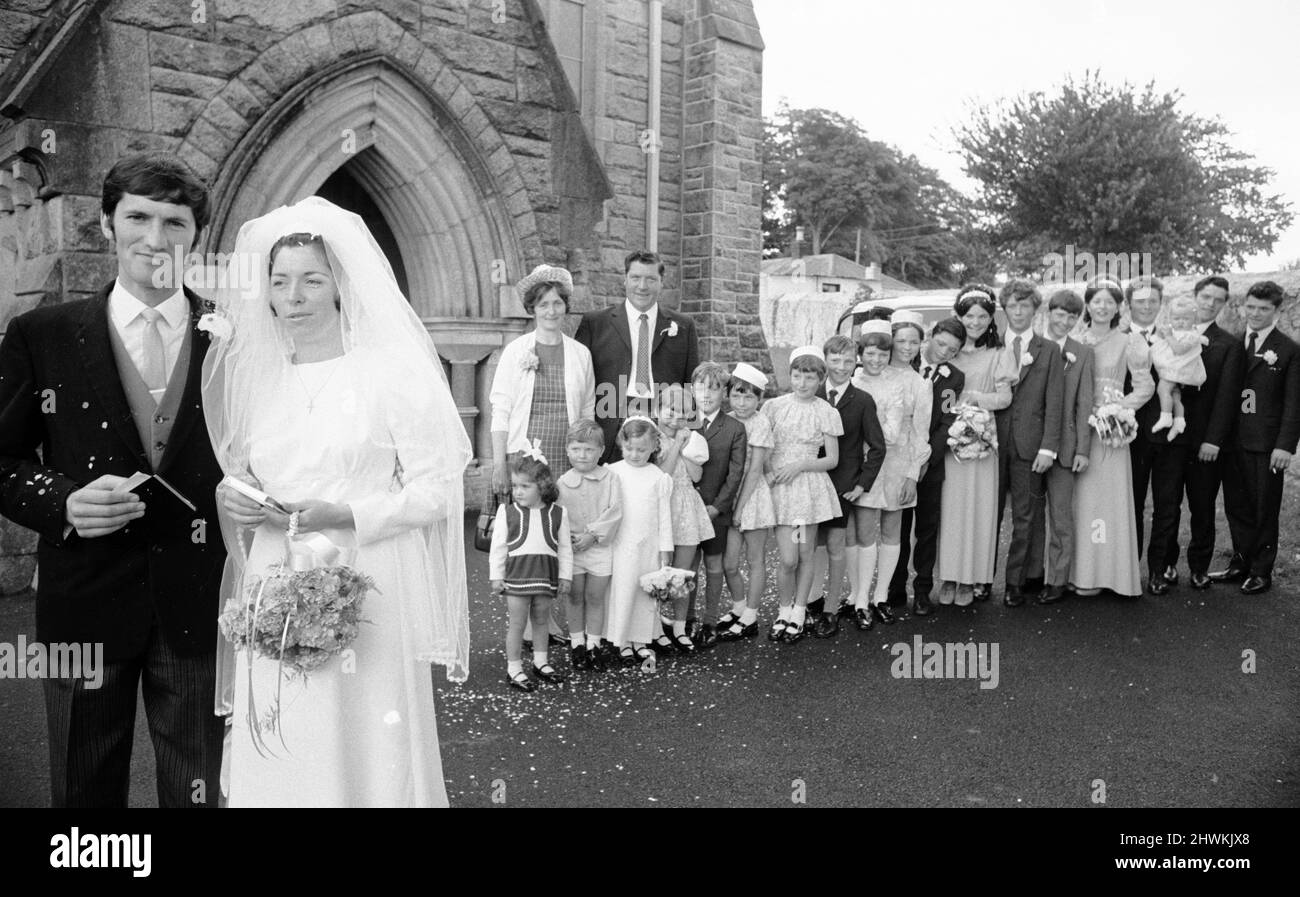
[634, 326]
[124, 312]
[1148, 332]
[1201, 328]
[707, 420]
[838, 390]
[593, 502]
[1259, 340]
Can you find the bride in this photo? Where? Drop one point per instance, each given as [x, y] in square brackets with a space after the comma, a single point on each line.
[327, 394]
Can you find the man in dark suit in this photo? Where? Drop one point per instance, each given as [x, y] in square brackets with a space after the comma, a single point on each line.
[1063, 310]
[90, 393]
[637, 347]
[1029, 434]
[1211, 411]
[946, 340]
[861, 453]
[1158, 462]
[719, 486]
[1268, 429]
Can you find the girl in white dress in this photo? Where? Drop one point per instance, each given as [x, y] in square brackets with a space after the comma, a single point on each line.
[682, 454]
[802, 492]
[903, 402]
[329, 396]
[644, 542]
[754, 515]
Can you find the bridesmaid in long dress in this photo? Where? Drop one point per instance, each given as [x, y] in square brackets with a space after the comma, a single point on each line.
[1105, 530]
[968, 517]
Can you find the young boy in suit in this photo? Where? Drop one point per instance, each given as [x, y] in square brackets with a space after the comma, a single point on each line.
[719, 485]
[862, 451]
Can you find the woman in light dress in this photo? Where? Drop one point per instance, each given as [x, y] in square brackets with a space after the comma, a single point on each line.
[330, 397]
[903, 401]
[1105, 526]
[968, 519]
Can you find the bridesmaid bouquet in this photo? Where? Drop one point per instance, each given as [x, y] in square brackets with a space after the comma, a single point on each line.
[667, 584]
[302, 618]
[974, 434]
[1115, 423]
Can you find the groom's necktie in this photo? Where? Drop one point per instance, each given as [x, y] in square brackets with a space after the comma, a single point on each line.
[155, 357]
[1015, 348]
[643, 355]
[1250, 344]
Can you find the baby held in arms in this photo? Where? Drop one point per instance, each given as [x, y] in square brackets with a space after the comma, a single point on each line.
[1176, 356]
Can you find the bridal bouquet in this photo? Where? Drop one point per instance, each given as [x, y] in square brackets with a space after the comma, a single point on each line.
[974, 434]
[302, 618]
[1115, 423]
[666, 584]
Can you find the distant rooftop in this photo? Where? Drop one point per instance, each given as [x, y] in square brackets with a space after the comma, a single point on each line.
[828, 264]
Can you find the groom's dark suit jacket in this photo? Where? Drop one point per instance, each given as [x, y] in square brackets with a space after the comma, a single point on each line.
[605, 333]
[64, 421]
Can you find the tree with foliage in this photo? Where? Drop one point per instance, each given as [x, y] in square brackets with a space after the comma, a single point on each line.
[1113, 170]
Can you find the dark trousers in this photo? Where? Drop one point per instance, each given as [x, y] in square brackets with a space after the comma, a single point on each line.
[1253, 500]
[925, 517]
[1159, 467]
[1201, 480]
[91, 730]
[1060, 525]
[1028, 492]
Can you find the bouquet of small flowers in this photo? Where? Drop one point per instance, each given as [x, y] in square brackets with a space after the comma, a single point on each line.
[974, 434]
[302, 618]
[667, 584]
[1115, 423]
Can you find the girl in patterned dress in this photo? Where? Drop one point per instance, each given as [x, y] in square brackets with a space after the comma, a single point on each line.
[682, 452]
[531, 562]
[903, 403]
[802, 492]
[754, 514]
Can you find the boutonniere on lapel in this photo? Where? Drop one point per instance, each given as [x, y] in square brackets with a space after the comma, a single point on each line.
[529, 362]
[1026, 359]
[671, 329]
[1269, 356]
[945, 371]
[1070, 358]
[214, 321]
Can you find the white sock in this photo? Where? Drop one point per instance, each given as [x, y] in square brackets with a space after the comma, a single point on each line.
[738, 607]
[797, 615]
[539, 658]
[593, 641]
[748, 616]
[888, 555]
[577, 639]
[851, 554]
[514, 666]
[679, 627]
[866, 567]
[1166, 419]
[785, 612]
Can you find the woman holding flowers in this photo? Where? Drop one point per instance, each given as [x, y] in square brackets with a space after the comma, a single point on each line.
[1105, 530]
[968, 516]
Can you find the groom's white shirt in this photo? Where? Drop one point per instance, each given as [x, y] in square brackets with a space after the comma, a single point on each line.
[124, 311]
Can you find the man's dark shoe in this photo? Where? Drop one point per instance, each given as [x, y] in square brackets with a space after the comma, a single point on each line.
[1014, 597]
[707, 638]
[1254, 585]
[983, 591]
[1200, 581]
[1051, 595]
[882, 613]
[828, 625]
[1158, 585]
[1170, 575]
[922, 606]
[1236, 571]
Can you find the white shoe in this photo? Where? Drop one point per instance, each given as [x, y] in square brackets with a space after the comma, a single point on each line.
[1166, 420]
[1179, 425]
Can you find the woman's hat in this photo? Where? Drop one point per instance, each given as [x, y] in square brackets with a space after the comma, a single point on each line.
[814, 351]
[546, 274]
[906, 316]
[876, 326]
[750, 374]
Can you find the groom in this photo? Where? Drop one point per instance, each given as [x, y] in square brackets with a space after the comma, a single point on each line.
[92, 392]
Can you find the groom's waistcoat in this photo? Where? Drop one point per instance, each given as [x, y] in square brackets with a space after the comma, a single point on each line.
[153, 420]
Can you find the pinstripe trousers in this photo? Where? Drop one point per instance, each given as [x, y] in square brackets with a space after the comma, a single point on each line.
[91, 730]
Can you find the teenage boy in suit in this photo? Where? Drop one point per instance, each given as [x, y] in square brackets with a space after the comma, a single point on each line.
[1268, 428]
[1029, 434]
[1063, 311]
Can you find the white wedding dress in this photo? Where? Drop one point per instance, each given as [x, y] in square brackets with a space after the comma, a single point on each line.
[361, 730]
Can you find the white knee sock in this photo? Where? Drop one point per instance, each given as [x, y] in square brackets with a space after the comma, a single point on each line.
[539, 658]
[748, 616]
[866, 567]
[738, 607]
[577, 639]
[885, 571]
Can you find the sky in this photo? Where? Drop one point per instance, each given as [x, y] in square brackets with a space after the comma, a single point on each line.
[908, 71]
